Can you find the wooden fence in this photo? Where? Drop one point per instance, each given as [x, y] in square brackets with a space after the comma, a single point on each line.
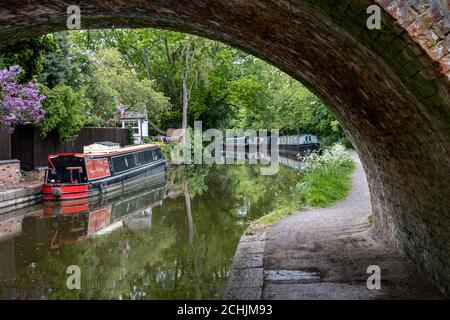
[32, 150]
[5, 143]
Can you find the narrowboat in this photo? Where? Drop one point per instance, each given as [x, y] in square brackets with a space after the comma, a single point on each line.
[304, 143]
[102, 168]
[239, 143]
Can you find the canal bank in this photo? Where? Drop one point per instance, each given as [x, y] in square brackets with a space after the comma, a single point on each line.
[16, 192]
[324, 254]
[21, 197]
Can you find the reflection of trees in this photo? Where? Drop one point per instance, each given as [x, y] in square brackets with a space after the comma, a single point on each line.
[194, 177]
[197, 264]
[107, 270]
[187, 201]
[243, 185]
[186, 254]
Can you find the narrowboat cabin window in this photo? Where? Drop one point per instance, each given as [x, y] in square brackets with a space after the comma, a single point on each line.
[125, 162]
[157, 154]
[144, 157]
[122, 163]
[130, 161]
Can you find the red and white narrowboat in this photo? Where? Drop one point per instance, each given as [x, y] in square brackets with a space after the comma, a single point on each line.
[104, 167]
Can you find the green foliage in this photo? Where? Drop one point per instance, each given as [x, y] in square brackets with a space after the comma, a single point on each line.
[28, 54]
[143, 69]
[146, 140]
[113, 84]
[65, 112]
[167, 150]
[370, 219]
[56, 68]
[272, 218]
[67, 64]
[227, 88]
[322, 188]
[130, 136]
[327, 178]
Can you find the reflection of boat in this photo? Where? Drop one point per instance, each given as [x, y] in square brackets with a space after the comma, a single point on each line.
[101, 216]
[286, 158]
[28, 237]
[292, 163]
[103, 168]
[71, 221]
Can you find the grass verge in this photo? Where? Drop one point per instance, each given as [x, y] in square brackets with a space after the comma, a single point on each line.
[327, 182]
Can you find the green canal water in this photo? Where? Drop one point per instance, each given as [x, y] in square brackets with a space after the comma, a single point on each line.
[173, 238]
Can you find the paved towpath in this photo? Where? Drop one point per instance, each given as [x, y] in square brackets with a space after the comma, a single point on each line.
[324, 254]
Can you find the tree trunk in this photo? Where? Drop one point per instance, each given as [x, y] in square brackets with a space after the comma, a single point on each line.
[131, 63]
[187, 200]
[147, 65]
[156, 128]
[185, 102]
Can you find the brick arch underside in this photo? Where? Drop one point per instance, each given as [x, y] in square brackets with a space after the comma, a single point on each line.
[389, 88]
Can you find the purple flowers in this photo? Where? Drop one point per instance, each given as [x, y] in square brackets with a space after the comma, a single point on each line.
[19, 104]
[121, 109]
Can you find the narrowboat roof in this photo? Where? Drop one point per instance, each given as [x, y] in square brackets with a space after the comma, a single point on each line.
[106, 152]
[107, 143]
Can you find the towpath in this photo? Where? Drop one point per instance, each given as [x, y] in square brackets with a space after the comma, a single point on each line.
[324, 254]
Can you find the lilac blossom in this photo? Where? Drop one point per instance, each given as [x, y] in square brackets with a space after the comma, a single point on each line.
[121, 110]
[19, 104]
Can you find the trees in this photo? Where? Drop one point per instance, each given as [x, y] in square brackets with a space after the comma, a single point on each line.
[180, 66]
[28, 55]
[113, 85]
[65, 112]
[178, 78]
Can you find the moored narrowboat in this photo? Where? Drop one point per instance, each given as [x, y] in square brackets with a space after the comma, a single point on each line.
[104, 167]
[302, 144]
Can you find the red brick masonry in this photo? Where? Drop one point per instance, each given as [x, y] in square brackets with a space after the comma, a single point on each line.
[9, 172]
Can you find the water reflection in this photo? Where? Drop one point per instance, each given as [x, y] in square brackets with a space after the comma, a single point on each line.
[286, 157]
[173, 238]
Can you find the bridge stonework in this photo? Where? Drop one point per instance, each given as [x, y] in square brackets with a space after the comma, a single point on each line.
[389, 88]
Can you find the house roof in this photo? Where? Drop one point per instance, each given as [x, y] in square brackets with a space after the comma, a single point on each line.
[134, 115]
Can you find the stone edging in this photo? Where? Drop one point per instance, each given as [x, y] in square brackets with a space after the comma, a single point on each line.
[247, 275]
[19, 198]
[9, 161]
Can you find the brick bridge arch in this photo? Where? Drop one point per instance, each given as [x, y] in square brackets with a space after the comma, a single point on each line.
[389, 88]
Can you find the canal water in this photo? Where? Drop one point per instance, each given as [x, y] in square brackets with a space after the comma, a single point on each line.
[173, 238]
